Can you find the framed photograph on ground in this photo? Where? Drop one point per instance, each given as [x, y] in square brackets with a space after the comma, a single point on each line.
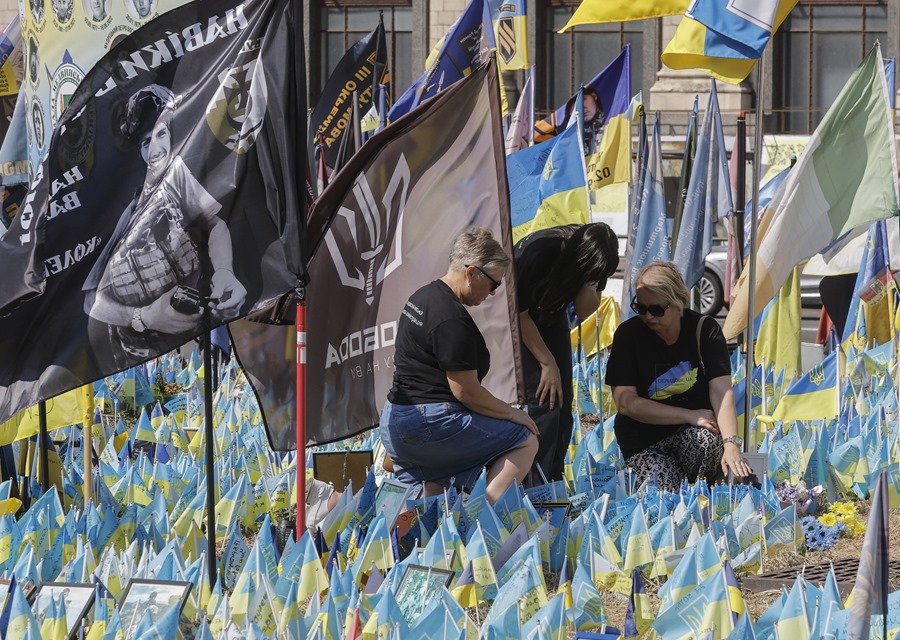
[553, 512]
[77, 596]
[391, 499]
[340, 467]
[155, 596]
[419, 586]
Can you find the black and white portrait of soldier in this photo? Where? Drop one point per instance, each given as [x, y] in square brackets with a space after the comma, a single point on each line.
[62, 9]
[96, 10]
[141, 9]
[594, 120]
[151, 284]
[33, 62]
[37, 10]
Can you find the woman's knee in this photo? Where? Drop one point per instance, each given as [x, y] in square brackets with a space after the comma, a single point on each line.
[530, 445]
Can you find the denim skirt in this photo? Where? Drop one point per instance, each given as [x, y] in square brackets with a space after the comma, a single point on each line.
[445, 442]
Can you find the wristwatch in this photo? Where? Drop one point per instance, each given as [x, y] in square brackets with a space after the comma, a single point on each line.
[734, 440]
[137, 322]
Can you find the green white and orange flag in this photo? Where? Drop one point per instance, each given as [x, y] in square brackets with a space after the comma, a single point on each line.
[846, 177]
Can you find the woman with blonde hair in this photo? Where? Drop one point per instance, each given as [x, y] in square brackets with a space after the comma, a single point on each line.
[671, 381]
[439, 424]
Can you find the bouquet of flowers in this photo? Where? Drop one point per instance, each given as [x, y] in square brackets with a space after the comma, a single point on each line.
[820, 536]
[844, 516]
[799, 493]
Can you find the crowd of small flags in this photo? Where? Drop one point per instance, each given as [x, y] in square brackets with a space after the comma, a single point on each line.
[387, 564]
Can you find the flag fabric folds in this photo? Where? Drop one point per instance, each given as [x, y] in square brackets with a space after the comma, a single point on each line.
[813, 396]
[521, 127]
[383, 243]
[869, 320]
[547, 185]
[652, 241]
[724, 55]
[778, 340]
[510, 33]
[607, 133]
[600, 11]
[708, 195]
[846, 177]
[746, 26]
[357, 70]
[870, 593]
[465, 46]
[101, 279]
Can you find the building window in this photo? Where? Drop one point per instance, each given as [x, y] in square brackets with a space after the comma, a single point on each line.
[816, 50]
[344, 22]
[579, 54]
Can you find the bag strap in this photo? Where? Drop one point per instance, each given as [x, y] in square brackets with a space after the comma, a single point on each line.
[699, 350]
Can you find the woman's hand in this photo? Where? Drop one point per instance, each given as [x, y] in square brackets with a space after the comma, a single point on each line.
[733, 459]
[705, 419]
[550, 387]
[520, 417]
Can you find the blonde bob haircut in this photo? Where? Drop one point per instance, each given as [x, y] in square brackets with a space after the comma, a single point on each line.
[664, 280]
[479, 248]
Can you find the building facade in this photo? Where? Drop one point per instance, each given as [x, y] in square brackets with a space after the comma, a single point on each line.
[803, 69]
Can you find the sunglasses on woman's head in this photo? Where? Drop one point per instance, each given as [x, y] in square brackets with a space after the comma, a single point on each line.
[655, 310]
[494, 283]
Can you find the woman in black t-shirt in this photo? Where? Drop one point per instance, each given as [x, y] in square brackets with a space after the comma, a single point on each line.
[555, 268]
[672, 389]
[439, 424]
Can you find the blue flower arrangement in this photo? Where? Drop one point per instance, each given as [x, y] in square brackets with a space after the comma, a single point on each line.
[820, 537]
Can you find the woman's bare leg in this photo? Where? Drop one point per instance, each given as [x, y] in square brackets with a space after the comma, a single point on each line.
[512, 466]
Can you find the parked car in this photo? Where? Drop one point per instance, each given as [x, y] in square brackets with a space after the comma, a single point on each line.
[712, 284]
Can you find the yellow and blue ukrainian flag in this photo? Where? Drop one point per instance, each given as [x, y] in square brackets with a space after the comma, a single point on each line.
[813, 396]
[547, 185]
[601, 11]
[510, 32]
[722, 42]
[612, 161]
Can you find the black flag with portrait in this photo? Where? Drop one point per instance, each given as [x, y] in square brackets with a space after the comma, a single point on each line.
[169, 202]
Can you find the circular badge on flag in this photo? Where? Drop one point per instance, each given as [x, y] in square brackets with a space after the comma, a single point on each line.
[236, 112]
[36, 122]
[65, 80]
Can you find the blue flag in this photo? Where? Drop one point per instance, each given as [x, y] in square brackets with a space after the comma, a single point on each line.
[651, 241]
[708, 195]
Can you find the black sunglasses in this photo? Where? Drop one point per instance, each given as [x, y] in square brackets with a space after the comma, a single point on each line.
[656, 310]
[494, 283]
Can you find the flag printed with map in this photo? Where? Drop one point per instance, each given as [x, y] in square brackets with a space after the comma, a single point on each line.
[677, 380]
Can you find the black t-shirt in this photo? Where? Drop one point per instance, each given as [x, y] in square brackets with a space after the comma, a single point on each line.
[435, 335]
[535, 256]
[668, 374]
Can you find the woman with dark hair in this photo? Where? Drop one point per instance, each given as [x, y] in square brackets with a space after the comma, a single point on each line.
[555, 268]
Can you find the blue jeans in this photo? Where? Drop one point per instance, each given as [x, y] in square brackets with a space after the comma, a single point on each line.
[444, 442]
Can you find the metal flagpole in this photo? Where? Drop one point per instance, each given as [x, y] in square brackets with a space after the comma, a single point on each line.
[44, 446]
[301, 413]
[210, 437]
[87, 441]
[751, 312]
